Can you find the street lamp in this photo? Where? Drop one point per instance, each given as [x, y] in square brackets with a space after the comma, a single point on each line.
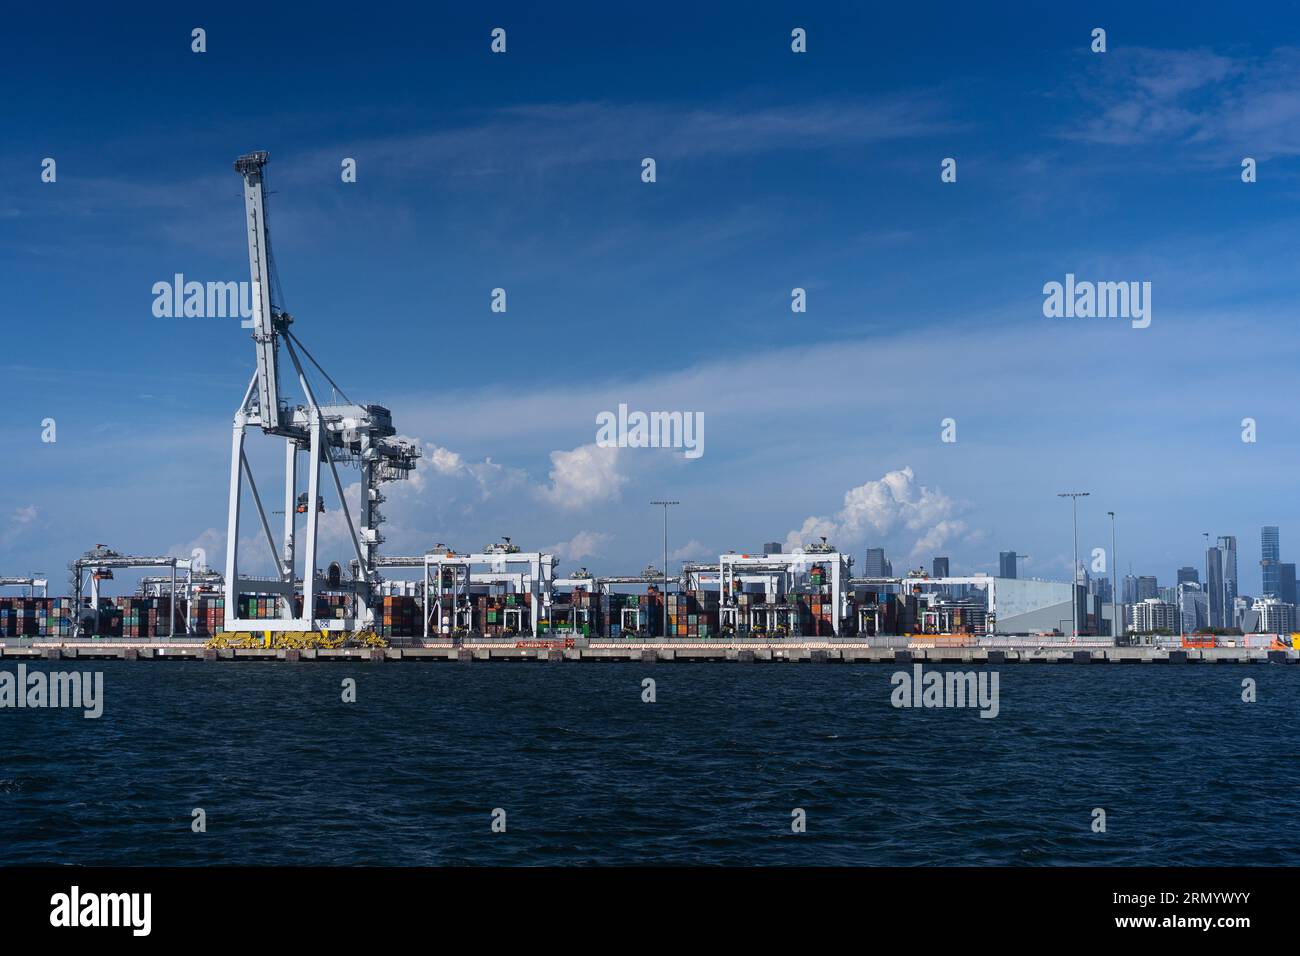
[1209, 616]
[666, 505]
[1115, 623]
[1074, 497]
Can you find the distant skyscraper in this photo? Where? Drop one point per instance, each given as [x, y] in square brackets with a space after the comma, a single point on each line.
[1270, 548]
[876, 566]
[1147, 588]
[1130, 589]
[1286, 583]
[772, 547]
[1228, 548]
[941, 567]
[1188, 574]
[1214, 586]
[1007, 564]
[1193, 606]
[1275, 617]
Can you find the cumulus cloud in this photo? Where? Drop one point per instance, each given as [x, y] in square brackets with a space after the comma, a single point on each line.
[584, 544]
[584, 476]
[691, 551]
[891, 505]
[211, 545]
[443, 460]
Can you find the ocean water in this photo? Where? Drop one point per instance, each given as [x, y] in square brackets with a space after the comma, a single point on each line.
[587, 773]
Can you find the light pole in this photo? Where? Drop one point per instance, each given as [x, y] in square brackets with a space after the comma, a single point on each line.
[1074, 497]
[666, 505]
[1209, 617]
[1115, 622]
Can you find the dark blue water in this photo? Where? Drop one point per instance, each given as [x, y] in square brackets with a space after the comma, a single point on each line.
[289, 774]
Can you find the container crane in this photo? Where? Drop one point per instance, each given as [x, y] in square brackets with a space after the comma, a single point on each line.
[329, 434]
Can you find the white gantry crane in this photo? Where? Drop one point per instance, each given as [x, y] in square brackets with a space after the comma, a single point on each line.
[330, 434]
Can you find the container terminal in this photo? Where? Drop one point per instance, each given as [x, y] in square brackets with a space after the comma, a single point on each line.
[806, 604]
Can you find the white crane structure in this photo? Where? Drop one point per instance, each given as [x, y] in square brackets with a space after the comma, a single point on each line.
[778, 575]
[29, 582]
[451, 580]
[100, 562]
[329, 434]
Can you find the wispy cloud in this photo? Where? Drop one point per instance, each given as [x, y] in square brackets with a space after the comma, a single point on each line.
[543, 136]
[1223, 105]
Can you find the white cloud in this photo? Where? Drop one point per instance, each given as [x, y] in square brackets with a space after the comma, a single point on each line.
[584, 476]
[882, 508]
[584, 544]
[691, 551]
[545, 135]
[210, 542]
[444, 461]
[19, 522]
[935, 538]
[1196, 98]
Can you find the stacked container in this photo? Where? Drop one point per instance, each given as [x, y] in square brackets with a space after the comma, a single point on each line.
[35, 617]
[693, 614]
[208, 615]
[401, 617]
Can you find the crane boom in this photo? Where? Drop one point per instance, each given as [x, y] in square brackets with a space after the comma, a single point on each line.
[267, 320]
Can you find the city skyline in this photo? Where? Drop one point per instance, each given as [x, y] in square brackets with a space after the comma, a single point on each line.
[1222, 577]
[783, 173]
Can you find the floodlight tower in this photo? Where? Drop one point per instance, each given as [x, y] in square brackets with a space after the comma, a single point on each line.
[329, 433]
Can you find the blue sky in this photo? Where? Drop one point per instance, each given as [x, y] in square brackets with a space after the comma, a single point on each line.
[775, 170]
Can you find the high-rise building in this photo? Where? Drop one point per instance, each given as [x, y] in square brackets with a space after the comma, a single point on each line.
[1188, 575]
[1244, 618]
[1270, 556]
[1007, 564]
[772, 547]
[1147, 587]
[1130, 589]
[1275, 617]
[1193, 606]
[1228, 548]
[1082, 605]
[941, 567]
[1286, 583]
[876, 566]
[1214, 586]
[1154, 614]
